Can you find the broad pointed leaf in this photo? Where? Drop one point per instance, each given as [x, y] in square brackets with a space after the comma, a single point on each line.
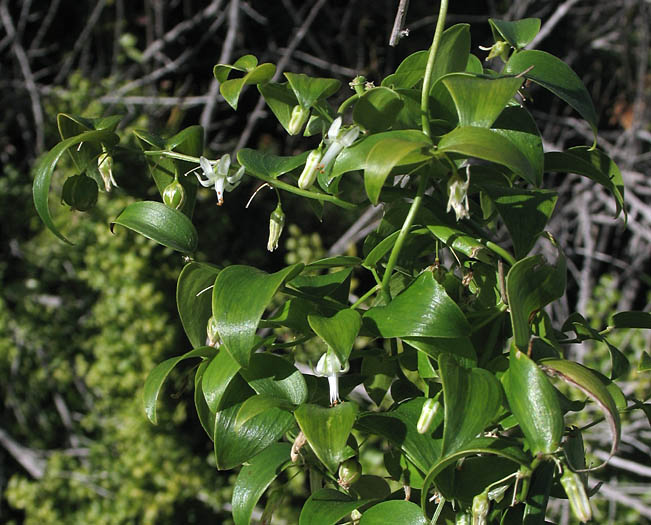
[206, 417]
[490, 145]
[632, 319]
[327, 430]
[216, 378]
[260, 404]
[268, 165]
[397, 512]
[310, 89]
[518, 33]
[194, 299]
[423, 310]
[255, 478]
[556, 76]
[339, 331]
[472, 399]
[231, 88]
[240, 297]
[157, 376]
[280, 99]
[274, 376]
[377, 109]
[160, 223]
[328, 507]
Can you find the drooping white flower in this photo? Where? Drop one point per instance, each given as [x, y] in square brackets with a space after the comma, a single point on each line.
[338, 140]
[220, 178]
[458, 195]
[329, 366]
[105, 167]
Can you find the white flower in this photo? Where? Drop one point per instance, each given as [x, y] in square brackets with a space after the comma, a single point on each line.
[105, 167]
[329, 366]
[458, 195]
[219, 179]
[338, 141]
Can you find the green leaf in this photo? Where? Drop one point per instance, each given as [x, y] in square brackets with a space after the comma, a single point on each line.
[397, 512]
[591, 385]
[235, 444]
[516, 124]
[255, 478]
[280, 99]
[556, 76]
[47, 163]
[194, 299]
[472, 399]
[460, 242]
[326, 285]
[231, 88]
[594, 164]
[534, 403]
[461, 347]
[377, 109]
[334, 262]
[632, 319]
[645, 362]
[239, 299]
[514, 203]
[327, 430]
[267, 165]
[538, 494]
[381, 159]
[480, 100]
[260, 404]
[274, 376]
[216, 378]
[206, 417]
[422, 310]
[339, 331]
[310, 89]
[355, 157]
[160, 223]
[244, 63]
[328, 507]
[531, 284]
[399, 427]
[518, 33]
[490, 145]
[157, 376]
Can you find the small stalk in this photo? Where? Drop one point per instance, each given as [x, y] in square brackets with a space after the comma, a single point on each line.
[424, 99]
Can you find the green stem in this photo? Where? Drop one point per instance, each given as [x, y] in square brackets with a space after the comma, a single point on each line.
[363, 298]
[274, 183]
[402, 236]
[424, 99]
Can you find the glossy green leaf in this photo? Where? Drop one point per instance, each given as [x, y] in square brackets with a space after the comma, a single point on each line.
[160, 223]
[594, 164]
[234, 444]
[556, 76]
[47, 163]
[534, 403]
[240, 296]
[384, 246]
[310, 89]
[231, 88]
[327, 430]
[260, 404]
[328, 507]
[274, 376]
[422, 310]
[460, 242]
[334, 262]
[194, 299]
[397, 512]
[478, 446]
[538, 494]
[255, 477]
[339, 331]
[281, 100]
[267, 165]
[206, 417]
[474, 65]
[355, 157]
[632, 319]
[399, 427]
[480, 100]
[591, 385]
[514, 203]
[379, 372]
[335, 284]
[531, 284]
[157, 376]
[244, 64]
[517, 125]
[461, 347]
[490, 145]
[518, 33]
[216, 378]
[472, 399]
[377, 109]
[381, 159]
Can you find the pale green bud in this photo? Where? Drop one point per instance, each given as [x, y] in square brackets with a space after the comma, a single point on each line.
[298, 119]
[480, 507]
[213, 334]
[174, 195]
[276, 223]
[349, 472]
[310, 171]
[427, 415]
[575, 490]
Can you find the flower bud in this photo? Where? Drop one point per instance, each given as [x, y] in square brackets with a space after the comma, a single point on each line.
[427, 414]
[276, 223]
[174, 195]
[575, 490]
[105, 167]
[480, 507]
[298, 119]
[80, 192]
[211, 330]
[498, 49]
[309, 173]
[349, 472]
